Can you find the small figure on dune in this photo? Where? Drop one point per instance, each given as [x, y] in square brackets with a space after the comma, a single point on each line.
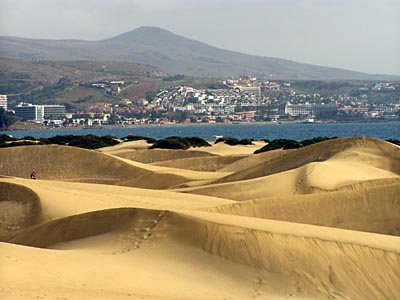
[33, 175]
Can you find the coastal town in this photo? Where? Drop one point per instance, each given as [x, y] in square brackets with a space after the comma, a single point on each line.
[233, 100]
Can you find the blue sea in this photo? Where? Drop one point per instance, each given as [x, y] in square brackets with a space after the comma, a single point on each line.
[390, 130]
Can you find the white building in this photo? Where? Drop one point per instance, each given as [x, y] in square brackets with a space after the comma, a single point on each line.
[38, 113]
[310, 109]
[3, 101]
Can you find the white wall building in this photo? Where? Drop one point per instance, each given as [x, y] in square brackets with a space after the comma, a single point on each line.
[3, 101]
[38, 113]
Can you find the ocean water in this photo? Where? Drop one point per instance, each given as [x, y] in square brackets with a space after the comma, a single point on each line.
[390, 130]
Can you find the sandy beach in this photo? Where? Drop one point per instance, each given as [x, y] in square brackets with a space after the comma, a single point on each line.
[126, 222]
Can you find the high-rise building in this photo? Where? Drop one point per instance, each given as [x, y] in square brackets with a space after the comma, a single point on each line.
[39, 113]
[310, 109]
[53, 112]
[3, 101]
[28, 111]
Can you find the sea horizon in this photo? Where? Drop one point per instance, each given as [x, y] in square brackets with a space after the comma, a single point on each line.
[264, 130]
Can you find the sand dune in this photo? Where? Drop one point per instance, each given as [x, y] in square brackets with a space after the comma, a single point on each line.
[131, 146]
[224, 149]
[20, 207]
[251, 161]
[80, 165]
[353, 147]
[157, 155]
[206, 163]
[322, 222]
[310, 178]
[372, 206]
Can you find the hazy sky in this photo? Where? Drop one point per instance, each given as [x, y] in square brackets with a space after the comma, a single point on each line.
[361, 35]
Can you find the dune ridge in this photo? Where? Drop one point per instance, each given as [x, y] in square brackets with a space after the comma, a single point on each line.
[318, 153]
[20, 207]
[320, 222]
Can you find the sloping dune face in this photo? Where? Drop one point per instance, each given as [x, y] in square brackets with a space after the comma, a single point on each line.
[75, 164]
[362, 150]
[321, 222]
[157, 155]
[371, 206]
[205, 163]
[321, 167]
[19, 208]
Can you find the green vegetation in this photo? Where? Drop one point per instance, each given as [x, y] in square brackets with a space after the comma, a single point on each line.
[68, 82]
[6, 138]
[6, 119]
[174, 78]
[138, 138]
[89, 141]
[234, 141]
[396, 142]
[290, 144]
[183, 143]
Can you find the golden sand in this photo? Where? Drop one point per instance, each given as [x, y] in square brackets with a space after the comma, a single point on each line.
[125, 222]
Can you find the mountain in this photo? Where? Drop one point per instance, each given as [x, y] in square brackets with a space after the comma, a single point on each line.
[174, 54]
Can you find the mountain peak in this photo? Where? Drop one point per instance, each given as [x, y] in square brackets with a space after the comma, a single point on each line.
[143, 33]
[151, 29]
[174, 54]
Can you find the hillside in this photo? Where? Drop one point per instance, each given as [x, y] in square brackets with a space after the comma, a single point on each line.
[173, 54]
[57, 81]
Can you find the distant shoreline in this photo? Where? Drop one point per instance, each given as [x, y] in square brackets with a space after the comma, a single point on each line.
[37, 127]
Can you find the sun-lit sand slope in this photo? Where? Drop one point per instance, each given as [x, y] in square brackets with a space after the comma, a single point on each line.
[322, 222]
[76, 164]
[319, 167]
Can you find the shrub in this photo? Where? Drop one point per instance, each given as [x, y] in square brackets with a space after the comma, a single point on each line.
[138, 138]
[234, 141]
[290, 144]
[176, 142]
[29, 138]
[279, 144]
[315, 140]
[169, 143]
[197, 142]
[396, 142]
[62, 139]
[6, 138]
[91, 141]
[17, 143]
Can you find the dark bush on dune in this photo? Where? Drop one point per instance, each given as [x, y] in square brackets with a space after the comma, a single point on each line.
[89, 141]
[6, 138]
[396, 142]
[315, 140]
[197, 142]
[93, 142]
[83, 141]
[234, 141]
[29, 138]
[279, 144]
[17, 143]
[184, 143]
[44, 141]
[138, 138]
[170, 144]
[289, 144]
[62, 139]
[9, 141]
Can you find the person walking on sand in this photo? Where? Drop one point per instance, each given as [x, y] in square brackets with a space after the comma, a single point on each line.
[33, 175]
